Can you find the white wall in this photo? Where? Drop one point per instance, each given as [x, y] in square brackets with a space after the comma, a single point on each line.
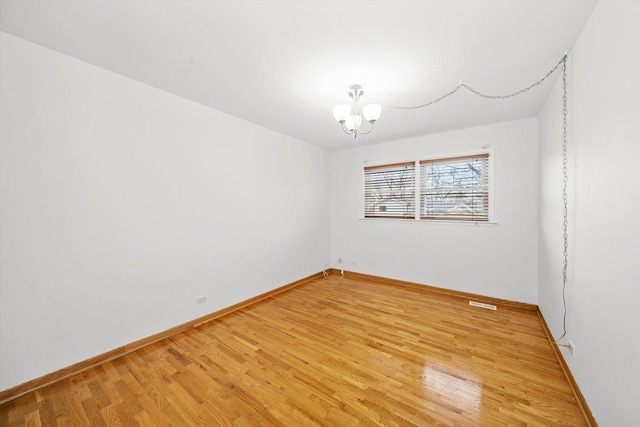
[498, 261]
[120, 204]
[604, 288]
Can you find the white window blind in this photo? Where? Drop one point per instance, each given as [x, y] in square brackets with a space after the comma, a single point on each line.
[455, 188]
[389, 191]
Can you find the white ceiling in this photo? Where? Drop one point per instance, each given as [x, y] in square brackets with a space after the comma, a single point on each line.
[285, 64]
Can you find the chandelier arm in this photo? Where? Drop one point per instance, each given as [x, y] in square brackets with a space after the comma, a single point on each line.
[370, 128]
[347, 130]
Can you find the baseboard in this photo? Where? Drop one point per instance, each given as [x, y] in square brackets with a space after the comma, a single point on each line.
[567, 373]
[25, 388]
[428, 288]
[48, 379]
[488, 300]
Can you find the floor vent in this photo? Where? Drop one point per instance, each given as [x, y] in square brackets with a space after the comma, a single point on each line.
[482, 305]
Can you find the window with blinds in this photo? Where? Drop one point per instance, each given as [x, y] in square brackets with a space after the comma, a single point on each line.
[389, 191]
[455, 188]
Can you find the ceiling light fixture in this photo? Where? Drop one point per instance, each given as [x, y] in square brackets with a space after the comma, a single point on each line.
[351, 116]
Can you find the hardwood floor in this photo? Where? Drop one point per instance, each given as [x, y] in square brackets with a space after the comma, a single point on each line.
[335, 352]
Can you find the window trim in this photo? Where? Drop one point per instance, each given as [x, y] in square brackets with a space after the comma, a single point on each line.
[418, 188]
[414, 189]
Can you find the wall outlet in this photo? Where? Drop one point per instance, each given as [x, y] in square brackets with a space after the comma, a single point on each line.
[201, 300]
[572, 349]
[340, 260]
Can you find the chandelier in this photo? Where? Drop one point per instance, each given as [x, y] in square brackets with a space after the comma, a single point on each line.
[351, 116]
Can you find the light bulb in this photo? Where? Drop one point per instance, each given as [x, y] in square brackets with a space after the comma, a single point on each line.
[353, 122]
[341, 112]
[372, 112]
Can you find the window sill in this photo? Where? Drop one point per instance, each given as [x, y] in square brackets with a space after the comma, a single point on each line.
[432, 222]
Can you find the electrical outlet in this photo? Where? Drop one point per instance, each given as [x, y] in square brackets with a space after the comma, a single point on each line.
[201, 300]
[572, 349]
[340, 260]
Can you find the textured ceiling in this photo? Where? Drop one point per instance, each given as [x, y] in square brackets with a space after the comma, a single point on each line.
[285, 64]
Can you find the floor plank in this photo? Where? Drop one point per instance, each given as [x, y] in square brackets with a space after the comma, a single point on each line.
[335, 352]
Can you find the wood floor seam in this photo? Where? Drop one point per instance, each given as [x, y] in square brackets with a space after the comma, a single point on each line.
[334, 351]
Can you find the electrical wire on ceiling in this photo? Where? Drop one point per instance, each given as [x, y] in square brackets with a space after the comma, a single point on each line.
[461, 85]
[565, 161]
[565, 211]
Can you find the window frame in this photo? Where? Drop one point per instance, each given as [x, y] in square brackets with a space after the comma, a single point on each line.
[367, 213]
[463, 191]
[489, 152]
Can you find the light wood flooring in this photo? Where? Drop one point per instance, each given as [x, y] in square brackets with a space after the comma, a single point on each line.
[334, 352]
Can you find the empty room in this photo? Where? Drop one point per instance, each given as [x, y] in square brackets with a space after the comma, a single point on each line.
[337, 213]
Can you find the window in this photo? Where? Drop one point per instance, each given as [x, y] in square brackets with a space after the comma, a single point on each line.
[389, 191]
[453, 188]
